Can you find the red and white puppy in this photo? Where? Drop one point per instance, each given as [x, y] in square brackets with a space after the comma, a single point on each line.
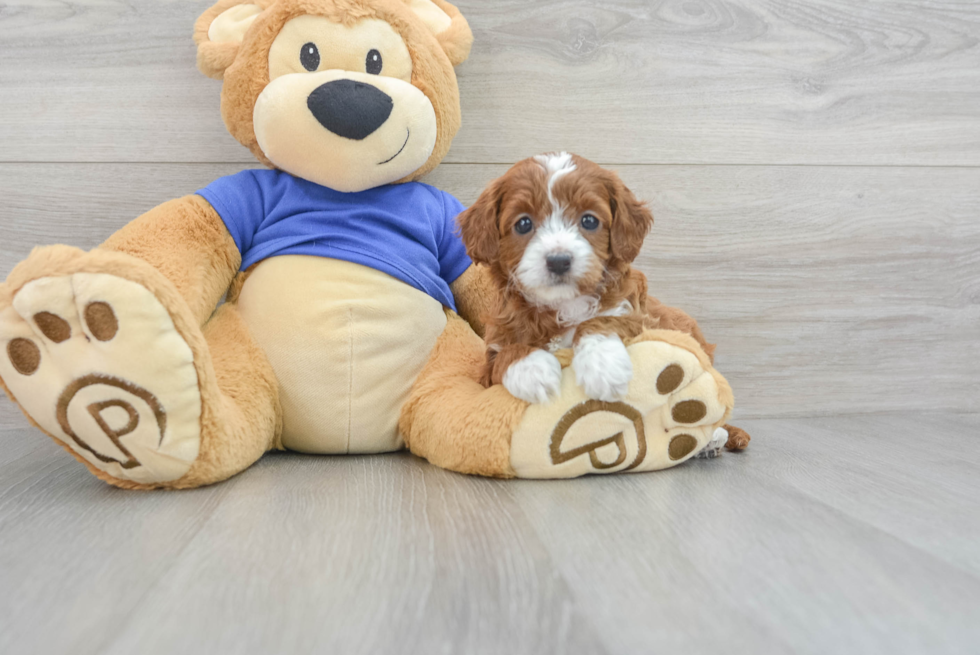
[558, 234]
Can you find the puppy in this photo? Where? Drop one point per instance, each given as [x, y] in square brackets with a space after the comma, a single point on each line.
[558, 234]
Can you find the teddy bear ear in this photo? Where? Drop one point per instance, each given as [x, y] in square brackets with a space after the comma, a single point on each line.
[447, 24]
[219, 33]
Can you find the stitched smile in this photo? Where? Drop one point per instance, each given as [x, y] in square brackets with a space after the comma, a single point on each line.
[407, 137]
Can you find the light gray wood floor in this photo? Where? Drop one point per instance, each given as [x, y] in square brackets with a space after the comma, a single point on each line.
[829, 535]
[814, 169]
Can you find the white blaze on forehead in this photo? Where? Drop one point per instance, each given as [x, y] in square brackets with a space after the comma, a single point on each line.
[556, 165]
[557, 234]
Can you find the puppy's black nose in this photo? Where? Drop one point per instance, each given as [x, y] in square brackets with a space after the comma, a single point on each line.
[559, 264]
[350, 109]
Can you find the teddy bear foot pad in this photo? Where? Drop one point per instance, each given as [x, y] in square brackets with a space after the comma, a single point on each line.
[674, 405]
[97, 362]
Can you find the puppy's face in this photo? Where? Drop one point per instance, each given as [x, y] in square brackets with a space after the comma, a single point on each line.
[553, 226]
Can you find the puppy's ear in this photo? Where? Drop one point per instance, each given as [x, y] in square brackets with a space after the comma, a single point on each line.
[218, 34]
[448, 25]
[631, 220]
[479, 226]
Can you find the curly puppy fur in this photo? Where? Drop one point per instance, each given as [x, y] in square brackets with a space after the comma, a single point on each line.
[600, 294]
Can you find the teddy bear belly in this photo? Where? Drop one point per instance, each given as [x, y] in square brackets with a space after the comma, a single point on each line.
[346, 343]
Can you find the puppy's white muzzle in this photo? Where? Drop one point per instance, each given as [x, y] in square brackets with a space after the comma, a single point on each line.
[554, 261]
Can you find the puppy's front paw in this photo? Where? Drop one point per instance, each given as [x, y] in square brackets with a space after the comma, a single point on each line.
[602, 367]
[534, 379]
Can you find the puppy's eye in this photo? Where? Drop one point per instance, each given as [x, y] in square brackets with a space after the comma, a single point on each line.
[590, 222]
[373, 63]
[524, 225]
[309, 56]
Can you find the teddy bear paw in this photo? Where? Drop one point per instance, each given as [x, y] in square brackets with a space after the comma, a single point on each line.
[97, 362]
[669, 412]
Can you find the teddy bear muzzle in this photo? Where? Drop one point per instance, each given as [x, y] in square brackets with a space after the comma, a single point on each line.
[344, 130]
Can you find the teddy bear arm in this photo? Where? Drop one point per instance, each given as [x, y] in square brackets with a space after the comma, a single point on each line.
[186, 240]
[671, 318]
[475, 295]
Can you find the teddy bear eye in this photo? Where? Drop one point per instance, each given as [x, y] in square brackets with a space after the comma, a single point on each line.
[590, 222]
[373, 62]
[524, 225]
[309, 56]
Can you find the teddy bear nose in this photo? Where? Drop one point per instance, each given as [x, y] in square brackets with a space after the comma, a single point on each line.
[350, 109]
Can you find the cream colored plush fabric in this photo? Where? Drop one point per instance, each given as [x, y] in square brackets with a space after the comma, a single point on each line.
[230, 25]
[648, 430]
[294, 141]
[437, 20]
[116, 384]
[344, 370]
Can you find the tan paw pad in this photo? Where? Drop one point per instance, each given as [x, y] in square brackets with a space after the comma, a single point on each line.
[98, 363]
[673, 405]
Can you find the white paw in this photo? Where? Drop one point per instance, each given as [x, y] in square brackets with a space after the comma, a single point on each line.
[97, 362]
[671, 410]
[534, 379]
[602, 367]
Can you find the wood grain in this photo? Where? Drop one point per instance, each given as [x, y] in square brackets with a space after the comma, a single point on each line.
[814, 169]
[11, 419]
[76, 558]
[826, 536]
[368, 555]
[920, 463]
[829, 290]
[630, 81]
[13, 443]
[302, 554]
[777, 568]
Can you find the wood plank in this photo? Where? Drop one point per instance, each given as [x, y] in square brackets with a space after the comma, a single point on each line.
[381, 554]
[913, 476]
[10, 417]
[17, 442]
[661, 560]
[77, 556]
[389, 554]
[828, 290]
[298, 554]
[795, 82]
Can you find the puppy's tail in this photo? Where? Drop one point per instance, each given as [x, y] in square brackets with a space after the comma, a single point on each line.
[738, 439]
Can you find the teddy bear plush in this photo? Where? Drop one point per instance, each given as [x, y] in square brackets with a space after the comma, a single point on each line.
[351, 313]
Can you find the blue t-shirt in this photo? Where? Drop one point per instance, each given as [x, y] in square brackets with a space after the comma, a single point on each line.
[404, 230]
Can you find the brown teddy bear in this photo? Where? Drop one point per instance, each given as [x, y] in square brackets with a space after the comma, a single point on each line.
[345, 284]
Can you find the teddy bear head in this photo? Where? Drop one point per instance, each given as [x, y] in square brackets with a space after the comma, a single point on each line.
[349, 94]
